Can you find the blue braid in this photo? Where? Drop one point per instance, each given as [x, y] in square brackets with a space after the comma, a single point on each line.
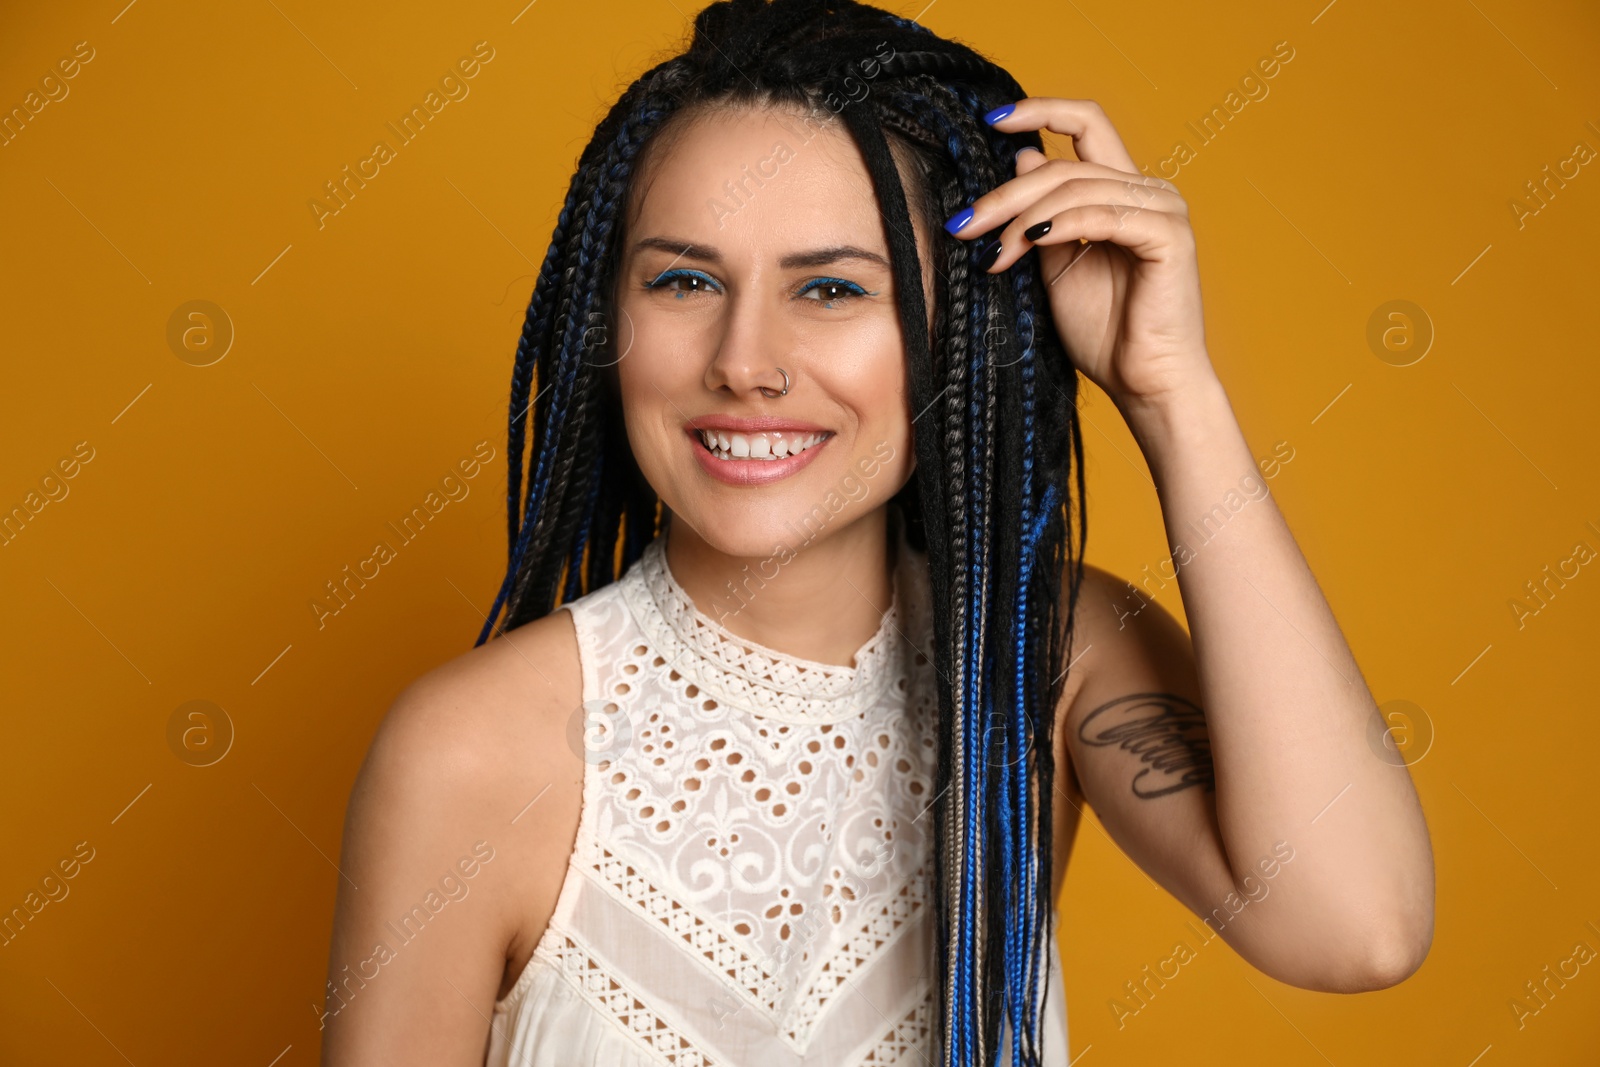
[534, 326]
[1017, 855]
[525, 511]
[981, 373]
[980, 692]
[969, 795]
[1028, 932]
[980, 680]
[910, 24]
[574, 587]
[597, 229]
[1023, 936]
[1024, 973]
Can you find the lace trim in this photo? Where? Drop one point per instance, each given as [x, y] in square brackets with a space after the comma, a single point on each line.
[632, 1016]
[652, 1033]
[733, 962]
[708, 942]
[748, 675]
[855, 953]
[910, 1035]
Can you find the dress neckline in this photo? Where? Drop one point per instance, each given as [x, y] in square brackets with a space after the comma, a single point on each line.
[756, 678]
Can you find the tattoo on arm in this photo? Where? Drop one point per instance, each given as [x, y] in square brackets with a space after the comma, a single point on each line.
[1166, 732]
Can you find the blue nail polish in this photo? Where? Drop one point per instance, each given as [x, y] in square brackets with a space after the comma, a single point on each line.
[999, 113]
[959, 220]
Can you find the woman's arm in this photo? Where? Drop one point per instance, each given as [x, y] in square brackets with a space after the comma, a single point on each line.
[442, 878]
[1274, 697]
[1309, 854]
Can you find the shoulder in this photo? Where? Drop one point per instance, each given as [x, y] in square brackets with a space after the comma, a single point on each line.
[477, 717]
[434, 834]
[462, 755]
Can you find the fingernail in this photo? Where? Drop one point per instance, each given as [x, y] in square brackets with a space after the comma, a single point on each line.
[1027, 148]
[990, 253]
[1037, 230]
[999, 113]
[958, 220]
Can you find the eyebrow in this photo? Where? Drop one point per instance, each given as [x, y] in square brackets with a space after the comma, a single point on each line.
[817, 257]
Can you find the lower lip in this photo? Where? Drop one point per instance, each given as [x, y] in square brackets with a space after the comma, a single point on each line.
[747, 472]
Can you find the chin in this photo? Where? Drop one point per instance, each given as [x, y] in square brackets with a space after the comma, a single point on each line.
[776, 525]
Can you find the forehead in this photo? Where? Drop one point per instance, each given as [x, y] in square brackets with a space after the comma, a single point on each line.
[757, 177]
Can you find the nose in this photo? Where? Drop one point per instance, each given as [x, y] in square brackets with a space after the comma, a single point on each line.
[754, 343]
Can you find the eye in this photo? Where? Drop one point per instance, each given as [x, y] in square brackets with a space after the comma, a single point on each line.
[829, 290]
[698, 282]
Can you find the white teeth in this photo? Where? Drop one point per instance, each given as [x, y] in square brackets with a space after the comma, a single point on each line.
[759, 446]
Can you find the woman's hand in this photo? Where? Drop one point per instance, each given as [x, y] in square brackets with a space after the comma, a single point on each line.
[1127, 303]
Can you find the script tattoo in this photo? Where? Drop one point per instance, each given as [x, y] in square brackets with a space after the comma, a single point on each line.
[1166, 732]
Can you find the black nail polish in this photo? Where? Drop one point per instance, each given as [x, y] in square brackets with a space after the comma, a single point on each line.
[990, 253]
[1037, 230]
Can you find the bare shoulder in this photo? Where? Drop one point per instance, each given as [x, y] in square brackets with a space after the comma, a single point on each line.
[469, 771]
[492, 718]
[485, 739]
[467, 712]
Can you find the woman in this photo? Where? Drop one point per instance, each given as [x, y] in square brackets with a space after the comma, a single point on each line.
[793, 778]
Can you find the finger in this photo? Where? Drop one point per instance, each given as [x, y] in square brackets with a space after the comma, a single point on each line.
[1030, 160]
[1094, 139]
[1006, 201]
[1038, 220]
[1150, 235]
[1129, 198]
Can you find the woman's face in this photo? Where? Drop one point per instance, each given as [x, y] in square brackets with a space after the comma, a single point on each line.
[756, 242]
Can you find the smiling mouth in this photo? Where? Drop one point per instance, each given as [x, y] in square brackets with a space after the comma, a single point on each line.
[766, 446]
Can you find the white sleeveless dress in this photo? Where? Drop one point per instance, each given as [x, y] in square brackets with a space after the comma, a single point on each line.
[750, 880]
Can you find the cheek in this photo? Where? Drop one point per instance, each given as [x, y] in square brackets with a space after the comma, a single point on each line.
[655, 365]
[878, 391]
[659, 378]
[640, 391]
[661, 345]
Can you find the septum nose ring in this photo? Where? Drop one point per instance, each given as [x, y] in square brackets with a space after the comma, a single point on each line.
[770, 394]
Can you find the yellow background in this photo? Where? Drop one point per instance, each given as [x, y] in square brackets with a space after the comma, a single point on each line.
[373, 354]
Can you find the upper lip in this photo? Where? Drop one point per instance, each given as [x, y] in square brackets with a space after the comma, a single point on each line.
[754, 424]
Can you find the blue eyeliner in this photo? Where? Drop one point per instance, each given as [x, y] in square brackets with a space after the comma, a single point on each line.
[680, 272]
[672, 274]
[855, 289]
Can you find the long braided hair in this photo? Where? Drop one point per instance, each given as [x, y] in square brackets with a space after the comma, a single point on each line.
[997, 443]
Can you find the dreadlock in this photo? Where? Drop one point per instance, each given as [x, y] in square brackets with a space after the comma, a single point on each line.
[997, 442]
